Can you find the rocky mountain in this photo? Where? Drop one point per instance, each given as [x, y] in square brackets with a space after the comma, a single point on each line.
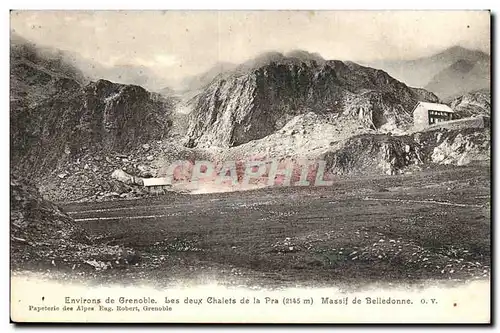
[420, 72]
[85, 69]
[473, 104]
[460, 78]
[53, 62]
[260, 96]
[55, 117]
[71, 135]
[123, 73]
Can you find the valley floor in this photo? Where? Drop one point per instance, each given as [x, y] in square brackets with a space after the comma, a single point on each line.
[431, 225]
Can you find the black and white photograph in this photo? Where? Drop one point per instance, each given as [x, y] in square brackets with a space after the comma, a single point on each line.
[237, 166]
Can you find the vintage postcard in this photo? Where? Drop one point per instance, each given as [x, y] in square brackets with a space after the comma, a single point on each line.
[250, 166]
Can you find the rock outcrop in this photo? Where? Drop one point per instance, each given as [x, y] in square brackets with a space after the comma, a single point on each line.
[384, 154]
[34, 219]
[373, 154]
[36, 225]
[125, 178]
[462, 149]
[472, 104]
[259, 97]
[43, 237]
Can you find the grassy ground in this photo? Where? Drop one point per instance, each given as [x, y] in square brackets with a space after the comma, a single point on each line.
[408, 228]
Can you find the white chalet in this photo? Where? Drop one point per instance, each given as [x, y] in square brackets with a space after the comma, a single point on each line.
[426, 114]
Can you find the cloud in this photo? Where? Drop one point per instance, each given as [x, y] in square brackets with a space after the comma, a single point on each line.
[156, 61]
[183, 43]
[166, 60]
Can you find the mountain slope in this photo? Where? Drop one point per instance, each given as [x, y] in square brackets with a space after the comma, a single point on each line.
[259, 97]
[50, 61]
[460, 78]
[54, 117]
[419, 72]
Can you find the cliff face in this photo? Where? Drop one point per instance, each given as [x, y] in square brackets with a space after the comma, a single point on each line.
[100, 116]
[258, 98]
[55, 117]
[472, 104]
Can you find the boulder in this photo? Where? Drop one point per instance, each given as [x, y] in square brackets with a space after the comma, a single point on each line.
[145, 171]
[126, 178]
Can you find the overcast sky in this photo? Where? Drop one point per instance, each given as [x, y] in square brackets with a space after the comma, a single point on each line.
[177, 44]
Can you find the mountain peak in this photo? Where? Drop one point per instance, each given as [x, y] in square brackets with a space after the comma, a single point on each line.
[262, 95]
[291, 57]
[304, 55]
[458, 52]
[462, 66]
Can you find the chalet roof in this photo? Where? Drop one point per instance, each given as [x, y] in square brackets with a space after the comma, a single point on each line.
[156, 181]
[435, 106]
